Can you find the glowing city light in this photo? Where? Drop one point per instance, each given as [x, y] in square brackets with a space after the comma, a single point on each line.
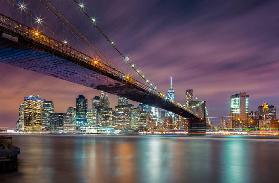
[38, 20]
[22, 6]
[81, 5]
[126, 59]
[93, 20]
[65, 42]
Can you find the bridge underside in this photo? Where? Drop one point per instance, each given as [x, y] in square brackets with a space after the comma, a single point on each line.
[28, 57]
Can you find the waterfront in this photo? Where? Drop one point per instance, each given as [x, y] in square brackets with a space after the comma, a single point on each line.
[145, 159]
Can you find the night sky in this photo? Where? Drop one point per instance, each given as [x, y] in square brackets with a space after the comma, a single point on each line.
[216, 47]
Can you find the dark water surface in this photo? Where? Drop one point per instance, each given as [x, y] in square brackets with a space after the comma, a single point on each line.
[145, 159]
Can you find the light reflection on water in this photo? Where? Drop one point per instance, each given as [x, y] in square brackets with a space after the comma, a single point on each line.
[144, 159]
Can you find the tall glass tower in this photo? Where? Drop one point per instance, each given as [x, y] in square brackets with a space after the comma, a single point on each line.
[81, 110]
[171, 94]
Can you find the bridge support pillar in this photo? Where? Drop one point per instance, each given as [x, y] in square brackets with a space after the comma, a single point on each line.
[197, 127]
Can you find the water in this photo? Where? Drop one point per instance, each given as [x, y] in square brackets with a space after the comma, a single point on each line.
[145, 159]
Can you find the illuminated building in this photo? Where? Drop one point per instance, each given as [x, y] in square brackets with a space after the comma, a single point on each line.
[90, 117]
[188, 97]
[266, 111]
[104, 100]
[106, 117]
[70, 120]
[123, 113]
[56, 121]
[155, 114]
[48, 108]
[30, 114]
[81, 111]
[171, 93]
[102, 113]
[239, 108]
[96, 108]
[267, 117]
[170, 96]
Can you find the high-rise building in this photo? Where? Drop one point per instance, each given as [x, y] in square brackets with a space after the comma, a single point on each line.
[123, 113]
[96, 108]
[266, 111]
[104, 100]
[56, 121]
[90, 118]
[188, 97]
[48, 108]
[81, 111]
[30, 114]
[171, 93]
[171, 97]
[267, 117]
[70, 120]
[239, 108]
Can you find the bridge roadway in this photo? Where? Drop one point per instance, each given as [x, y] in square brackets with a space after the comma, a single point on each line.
[27, 48]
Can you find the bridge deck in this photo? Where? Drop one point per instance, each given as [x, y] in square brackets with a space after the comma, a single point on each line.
[21, 51]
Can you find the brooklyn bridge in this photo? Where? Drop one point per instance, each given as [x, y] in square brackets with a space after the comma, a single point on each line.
[28, 47]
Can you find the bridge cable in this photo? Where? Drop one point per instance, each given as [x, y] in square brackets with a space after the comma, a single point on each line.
[107, 38]
[75, 31]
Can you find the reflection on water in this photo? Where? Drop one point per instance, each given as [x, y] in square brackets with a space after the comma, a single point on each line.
[145, 159]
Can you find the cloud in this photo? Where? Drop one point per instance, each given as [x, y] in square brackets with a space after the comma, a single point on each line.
[215, 47]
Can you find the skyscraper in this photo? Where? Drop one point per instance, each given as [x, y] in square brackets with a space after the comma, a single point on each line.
[30, 113]
[104, 100]
[266, 111]
[239, 108]
[123, 113]
[48, 108]
[56, 121]
[170, 96]
[81, 111]
[188, 97]
[70, 120]
[96, 108]
[171, 93]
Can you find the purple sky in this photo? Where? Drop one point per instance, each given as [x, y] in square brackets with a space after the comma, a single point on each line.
[216, 47]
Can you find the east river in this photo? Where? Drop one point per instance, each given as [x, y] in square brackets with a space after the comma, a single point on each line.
[150, 159]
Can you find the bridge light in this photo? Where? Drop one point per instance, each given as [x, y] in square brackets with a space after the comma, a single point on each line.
[65, 42]
[147, 81]
[133, 65]
[93, 20]
[126, 59]
[95, 61]
[112, 43]
[35, 32]
[81, 5]
[38, 20]
[22, 6]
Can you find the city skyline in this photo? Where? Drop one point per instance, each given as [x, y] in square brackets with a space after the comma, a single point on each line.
[214, 72]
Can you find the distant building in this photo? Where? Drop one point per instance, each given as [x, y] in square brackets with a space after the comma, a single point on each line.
[104, 100]
[188, 97]
[171, 93]
[56, 121]
[266, 111]
[81, 111]
[267, 117]
[31, 114]
[96, 109]
[70, 120]
[123, 113]
[170, 97]
[239, 108]
[48, 108]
